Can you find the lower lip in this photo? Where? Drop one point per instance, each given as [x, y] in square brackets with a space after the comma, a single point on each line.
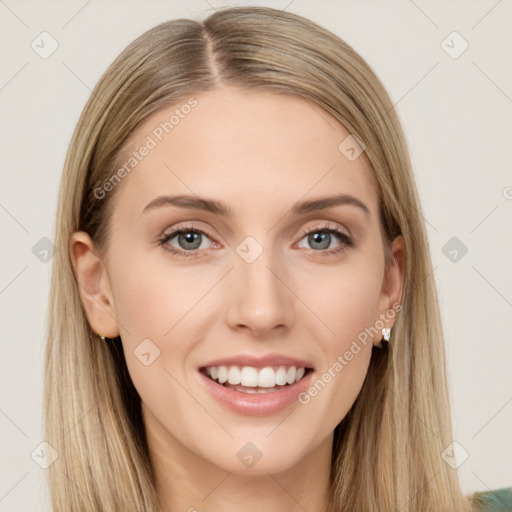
[263, 404]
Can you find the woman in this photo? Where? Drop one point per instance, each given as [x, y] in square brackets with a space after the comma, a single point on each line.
[242, 312]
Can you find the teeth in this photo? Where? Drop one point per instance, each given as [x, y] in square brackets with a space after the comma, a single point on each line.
[249, 376]
[268, 377]
[290, 376]
[234, 375]
[222, 373]
[281, 374]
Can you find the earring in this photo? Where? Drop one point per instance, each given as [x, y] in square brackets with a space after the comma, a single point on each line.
[386, 331]
[104, 338]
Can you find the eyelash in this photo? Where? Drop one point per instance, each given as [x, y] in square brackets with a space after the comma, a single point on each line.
[345, 241]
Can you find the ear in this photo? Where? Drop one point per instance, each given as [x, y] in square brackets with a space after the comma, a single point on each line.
[93, 285]
[392, 285]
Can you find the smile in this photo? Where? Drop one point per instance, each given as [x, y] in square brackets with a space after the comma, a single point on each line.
[255, 380]
[251, 391]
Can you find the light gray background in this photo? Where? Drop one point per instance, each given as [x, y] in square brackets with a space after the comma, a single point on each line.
[456, 114]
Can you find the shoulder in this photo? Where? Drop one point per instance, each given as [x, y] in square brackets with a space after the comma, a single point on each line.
[498, 500]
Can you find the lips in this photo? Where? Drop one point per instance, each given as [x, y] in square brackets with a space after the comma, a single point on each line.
[260, 361]
[256, 385]
[257, 401]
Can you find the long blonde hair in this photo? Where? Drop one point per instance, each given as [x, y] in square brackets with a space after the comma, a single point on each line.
[387, 450]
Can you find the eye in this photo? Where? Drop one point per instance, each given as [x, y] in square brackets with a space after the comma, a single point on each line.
[320, 238]
[189, 240]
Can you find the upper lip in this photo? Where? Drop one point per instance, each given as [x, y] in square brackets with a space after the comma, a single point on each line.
[259, 361]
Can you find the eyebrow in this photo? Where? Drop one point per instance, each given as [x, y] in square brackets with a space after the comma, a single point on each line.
[220, 208]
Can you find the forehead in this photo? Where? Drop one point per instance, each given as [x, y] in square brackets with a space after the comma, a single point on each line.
[250, 149]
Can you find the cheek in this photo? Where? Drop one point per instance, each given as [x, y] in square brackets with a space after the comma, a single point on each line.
[346, 300]
[152, 295]
[157, 309]
[160, 310]
[347, 304]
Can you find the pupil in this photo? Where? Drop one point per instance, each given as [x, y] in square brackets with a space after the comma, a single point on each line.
[323, 239]
[188, 239]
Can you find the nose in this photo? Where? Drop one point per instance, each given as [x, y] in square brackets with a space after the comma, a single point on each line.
[259, 301]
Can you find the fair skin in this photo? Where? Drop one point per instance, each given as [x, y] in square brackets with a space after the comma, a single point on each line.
[260, 153]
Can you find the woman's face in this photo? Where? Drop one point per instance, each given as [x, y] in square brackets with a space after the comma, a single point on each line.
[258, 278]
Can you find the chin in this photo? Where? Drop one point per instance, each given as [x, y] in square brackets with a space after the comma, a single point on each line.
[257, 457]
